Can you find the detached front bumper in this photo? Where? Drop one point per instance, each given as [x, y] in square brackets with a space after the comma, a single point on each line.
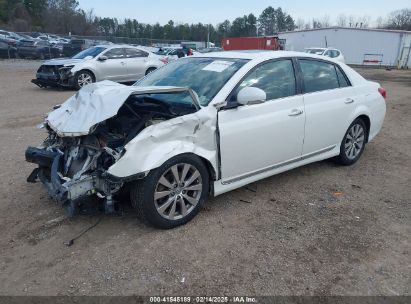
[64, 190]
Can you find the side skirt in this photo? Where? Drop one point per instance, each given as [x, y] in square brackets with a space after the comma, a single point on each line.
[221, 186]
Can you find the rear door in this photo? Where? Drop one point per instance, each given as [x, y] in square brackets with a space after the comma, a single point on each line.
[115, 67]
[137, 61]
[329, 100]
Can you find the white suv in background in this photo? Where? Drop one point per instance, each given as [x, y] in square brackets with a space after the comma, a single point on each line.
[328, 52]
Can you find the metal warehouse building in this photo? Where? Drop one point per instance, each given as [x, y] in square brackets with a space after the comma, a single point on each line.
[359, 45]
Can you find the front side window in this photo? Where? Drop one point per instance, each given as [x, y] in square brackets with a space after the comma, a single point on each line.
[275, 78]
[134, 53]
[115, 53]
[318, 76]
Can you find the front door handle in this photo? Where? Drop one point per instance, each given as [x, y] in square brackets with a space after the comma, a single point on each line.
[349, 100]
[296, 112]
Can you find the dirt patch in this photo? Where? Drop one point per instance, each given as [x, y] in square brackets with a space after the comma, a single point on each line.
[321, 229]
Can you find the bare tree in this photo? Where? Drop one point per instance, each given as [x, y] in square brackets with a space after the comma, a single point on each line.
[342, 20]
[352, 21]
[325, 21]
[380, 22]
[400, 20]
[364, 21]
[300, 23]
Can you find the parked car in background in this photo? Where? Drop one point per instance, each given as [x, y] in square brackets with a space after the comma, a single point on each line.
[169, 53]
[75, 46]
[210, 50]
[203, 126]
[328, 52]
[6, 50]
[118, 63]
[37, 49]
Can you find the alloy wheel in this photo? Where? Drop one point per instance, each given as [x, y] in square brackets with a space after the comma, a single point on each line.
[354, 141]
[178, 191]
[84, 79]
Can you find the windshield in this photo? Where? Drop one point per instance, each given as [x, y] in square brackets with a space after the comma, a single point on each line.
[206, 76]
[315, 51]
[93, 52]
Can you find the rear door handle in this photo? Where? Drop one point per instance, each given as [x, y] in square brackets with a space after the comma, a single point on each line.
[296, 112]
[349, 100]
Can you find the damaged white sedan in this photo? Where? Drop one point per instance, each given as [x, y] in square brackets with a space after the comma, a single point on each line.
[203, 126]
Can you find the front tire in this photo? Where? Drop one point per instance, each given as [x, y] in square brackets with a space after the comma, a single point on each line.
[173, 194]
[353, 144]
[83, 78]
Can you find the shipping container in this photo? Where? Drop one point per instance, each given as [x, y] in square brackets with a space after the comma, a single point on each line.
[251, 43]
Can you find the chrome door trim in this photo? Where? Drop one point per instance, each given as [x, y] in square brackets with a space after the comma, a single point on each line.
[277, 166]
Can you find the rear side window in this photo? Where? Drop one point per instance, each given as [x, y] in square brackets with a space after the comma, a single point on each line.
[275, 78]
[342, 79]
[318, 76]
[134, 53]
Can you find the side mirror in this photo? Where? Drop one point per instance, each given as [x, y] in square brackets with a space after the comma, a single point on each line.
[102, 58]
[251, 95]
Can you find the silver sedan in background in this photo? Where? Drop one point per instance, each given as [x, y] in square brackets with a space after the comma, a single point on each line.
[119, 63]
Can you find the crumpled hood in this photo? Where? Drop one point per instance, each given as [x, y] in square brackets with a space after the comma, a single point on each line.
[63, 61]
[96, 103]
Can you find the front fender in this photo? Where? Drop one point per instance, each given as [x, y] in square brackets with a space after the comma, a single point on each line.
[194, 133]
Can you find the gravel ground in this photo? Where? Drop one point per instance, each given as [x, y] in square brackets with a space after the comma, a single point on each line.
[318, 230]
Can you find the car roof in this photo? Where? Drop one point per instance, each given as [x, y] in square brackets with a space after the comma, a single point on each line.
[258, 54]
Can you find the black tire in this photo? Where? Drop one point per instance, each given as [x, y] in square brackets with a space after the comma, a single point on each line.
[150, 70]
[344, 157]
[142, 193]
[79, 74]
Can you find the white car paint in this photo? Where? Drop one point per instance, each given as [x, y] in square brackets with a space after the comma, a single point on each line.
[327, 52]
[115, 69]
[242, 144]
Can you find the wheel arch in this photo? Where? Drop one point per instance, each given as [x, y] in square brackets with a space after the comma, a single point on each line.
[367, 122]
[93, 74]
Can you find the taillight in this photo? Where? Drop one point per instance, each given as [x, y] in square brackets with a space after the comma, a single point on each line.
[383, 92]
[164, 60]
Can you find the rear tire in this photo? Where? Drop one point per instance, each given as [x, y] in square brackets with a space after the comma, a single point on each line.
[173, 194]
[353, 144]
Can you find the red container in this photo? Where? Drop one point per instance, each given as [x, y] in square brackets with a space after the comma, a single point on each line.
[250, 43]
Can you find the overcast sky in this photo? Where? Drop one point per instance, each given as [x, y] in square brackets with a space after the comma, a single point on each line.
[216, 11]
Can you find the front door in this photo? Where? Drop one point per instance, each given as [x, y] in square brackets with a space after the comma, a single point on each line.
[115, 67]
[259, 137]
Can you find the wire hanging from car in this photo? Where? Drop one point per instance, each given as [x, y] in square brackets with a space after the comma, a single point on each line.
[71, 242]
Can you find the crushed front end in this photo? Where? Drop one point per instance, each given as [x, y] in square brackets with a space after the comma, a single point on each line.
[73, 168]
[89, 134]
[54, 76]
